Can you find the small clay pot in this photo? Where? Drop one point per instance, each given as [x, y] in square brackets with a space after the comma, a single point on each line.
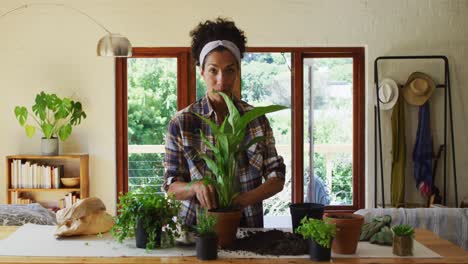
[402, 245]
[348, 229]
[226, 226]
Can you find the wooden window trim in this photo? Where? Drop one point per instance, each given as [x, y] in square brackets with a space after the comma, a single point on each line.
[186, 93]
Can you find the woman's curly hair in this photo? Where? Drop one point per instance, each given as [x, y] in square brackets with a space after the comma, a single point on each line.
[219, 29]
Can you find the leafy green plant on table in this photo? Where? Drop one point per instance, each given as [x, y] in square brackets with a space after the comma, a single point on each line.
[205, 223]
[318, 230]
[53, 116]
[403, 230]
[156, 211]
[227, 147]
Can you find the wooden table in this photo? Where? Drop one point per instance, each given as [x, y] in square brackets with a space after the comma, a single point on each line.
[450, 252]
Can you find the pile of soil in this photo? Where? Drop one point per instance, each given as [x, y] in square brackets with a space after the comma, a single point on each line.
[272, 242]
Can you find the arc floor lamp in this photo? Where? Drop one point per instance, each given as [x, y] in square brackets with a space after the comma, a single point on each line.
[111, 45]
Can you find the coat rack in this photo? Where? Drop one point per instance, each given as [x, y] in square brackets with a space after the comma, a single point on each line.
[378, 131]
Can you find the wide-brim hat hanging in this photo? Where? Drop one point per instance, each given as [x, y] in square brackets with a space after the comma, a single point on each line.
[388, 94]
[418, 88]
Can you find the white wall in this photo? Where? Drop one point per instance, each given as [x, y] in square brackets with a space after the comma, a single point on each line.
[53, 49]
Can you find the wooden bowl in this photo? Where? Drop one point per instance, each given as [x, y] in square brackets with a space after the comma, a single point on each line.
[70, 182]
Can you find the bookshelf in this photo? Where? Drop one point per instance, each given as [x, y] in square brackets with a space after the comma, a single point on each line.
[73, 165]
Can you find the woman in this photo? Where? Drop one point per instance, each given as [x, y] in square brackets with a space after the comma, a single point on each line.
[218, 47]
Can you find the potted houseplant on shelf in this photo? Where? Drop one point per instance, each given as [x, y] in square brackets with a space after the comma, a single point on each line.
[403, 240]
[206, 240]
[228, 138]
[53, 116]
[319, 234]
[348, 230]
[144, 213]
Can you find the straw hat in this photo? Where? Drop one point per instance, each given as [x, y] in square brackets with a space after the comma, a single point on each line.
[388, 94]
[418, 88]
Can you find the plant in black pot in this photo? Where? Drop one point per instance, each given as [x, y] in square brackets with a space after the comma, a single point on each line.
[206, 240]
[144, 213]
[229, 138]
[320, 235]
[52, 115]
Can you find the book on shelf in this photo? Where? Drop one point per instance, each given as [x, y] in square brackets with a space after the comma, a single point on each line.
[35, 175]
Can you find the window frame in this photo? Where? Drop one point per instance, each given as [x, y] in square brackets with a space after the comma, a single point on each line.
[186, 93]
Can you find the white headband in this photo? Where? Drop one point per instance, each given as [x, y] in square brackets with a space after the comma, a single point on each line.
[214, 44]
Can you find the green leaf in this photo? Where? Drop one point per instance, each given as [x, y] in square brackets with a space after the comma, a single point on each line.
[64, 132]
[233, 112]
[47, 129]
[30, 130]
[21, 114]
[257, 112]
[77, 113]
[212, 124]
[63, 109]
[39, 108]
[210, 163]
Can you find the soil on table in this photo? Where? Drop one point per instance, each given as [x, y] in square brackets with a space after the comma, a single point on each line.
[272, 242]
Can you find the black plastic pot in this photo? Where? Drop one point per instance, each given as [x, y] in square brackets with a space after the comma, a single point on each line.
[299, 210]
[141, 236]
[317, 252]
[207, 247]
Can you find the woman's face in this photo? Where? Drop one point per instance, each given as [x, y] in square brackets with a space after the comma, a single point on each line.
[220, 73]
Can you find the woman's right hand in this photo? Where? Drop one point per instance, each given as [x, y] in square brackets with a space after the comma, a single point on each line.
[205, 194]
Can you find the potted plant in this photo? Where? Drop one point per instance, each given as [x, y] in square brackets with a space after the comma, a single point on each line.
[300, 210]
[403, 240]
[319, 234]
[144, 213]
[228, 145]
[54, 116]
[348, 230]
[206, 240]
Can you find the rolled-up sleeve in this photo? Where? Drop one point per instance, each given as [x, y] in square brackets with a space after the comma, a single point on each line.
[175, 164]
[273, 164]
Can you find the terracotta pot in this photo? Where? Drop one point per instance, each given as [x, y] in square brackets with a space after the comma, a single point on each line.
[402, 245]
[207, 247]
[348, 229]
[226, 226]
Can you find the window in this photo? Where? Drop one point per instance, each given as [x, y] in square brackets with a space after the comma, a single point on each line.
[323, 87]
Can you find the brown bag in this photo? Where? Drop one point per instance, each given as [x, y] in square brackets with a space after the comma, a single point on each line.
[86, 217]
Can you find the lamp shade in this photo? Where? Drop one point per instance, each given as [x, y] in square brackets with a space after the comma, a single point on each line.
[114, 45]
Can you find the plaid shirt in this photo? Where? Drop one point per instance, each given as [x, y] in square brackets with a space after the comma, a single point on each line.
[183, 143]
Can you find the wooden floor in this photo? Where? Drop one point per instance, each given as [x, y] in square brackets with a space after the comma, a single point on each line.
[450, 252]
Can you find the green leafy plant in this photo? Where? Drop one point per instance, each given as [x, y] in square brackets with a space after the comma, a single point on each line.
[403, 230]
[156, 211]
[205, 223]
[228, 145]
[318, 230]
[54, 116]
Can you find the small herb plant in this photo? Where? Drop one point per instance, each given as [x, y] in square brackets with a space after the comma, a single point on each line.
[205, 223]
[318, 230]
[229, 137]
[403, 230]
[156, 211]
[53, 116]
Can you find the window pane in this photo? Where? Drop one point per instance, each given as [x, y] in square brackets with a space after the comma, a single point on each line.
[201, 85]
[266, 79]
[152, 101]
[329, 82]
